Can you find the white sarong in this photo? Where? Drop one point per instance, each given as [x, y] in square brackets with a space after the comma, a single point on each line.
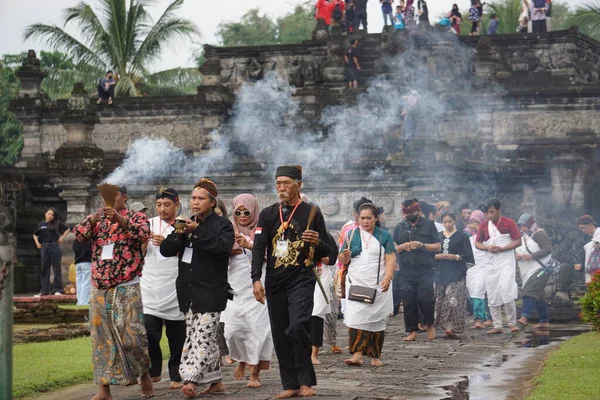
[362, 271]
[247, 327]
[501, 270]
[159, 294]
[320, 307]
[476, 274]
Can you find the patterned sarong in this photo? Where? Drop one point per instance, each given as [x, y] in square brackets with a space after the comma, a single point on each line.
[200, 360]
[119, 341]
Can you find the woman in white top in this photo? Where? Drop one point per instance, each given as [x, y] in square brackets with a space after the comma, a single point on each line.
[370, 257]
[159, 295]
[588, 226]
[247, 328]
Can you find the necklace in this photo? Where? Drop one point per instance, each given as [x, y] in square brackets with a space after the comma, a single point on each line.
[362, 238]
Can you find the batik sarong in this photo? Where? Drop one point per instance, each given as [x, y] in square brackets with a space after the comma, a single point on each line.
[330, 331]
[369, 343]
[451, 306]
[200, 360]
[119, 340]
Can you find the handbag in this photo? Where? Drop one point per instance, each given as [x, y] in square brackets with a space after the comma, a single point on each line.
[365, 294]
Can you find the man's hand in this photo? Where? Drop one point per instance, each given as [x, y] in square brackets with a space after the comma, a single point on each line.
[157, 240]
[259, 292]
[113, 215]
[416, 245]
[38, 245]
[191, 226]
[440, 257]
[494, 249]
[578, 267]
[60, 240]
[310, 237]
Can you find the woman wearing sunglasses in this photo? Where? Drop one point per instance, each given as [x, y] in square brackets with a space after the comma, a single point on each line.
[247, 331]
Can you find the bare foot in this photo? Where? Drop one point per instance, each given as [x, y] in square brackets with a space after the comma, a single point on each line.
[357, 361]
[307, 391]
[189, 390]
[430, 332]
[286, 394]
[155, 379]
[376, 362]
[478, 325]
[336, 350]
[422, 327]
[411, 337]
[175, 385]
[513, 328]
[99, 101]
[240, 371]
[488, 323]
[542, 325]
[494, 331]
[146, 384]
[522, 321]
[228, 360]
[315, 361]
[216, 387]
[254, 381]
[449, 333]
[103, 394]
[109, 101]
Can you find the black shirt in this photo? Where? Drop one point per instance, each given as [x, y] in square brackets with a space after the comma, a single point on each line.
[448, 271]
[266, 237]
[83, 251]
[351, 54]
[49, 232]
[202, 284]
[361, 6]
[416, 260]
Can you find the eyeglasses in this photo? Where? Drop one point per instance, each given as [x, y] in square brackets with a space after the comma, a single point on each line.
[245, 213]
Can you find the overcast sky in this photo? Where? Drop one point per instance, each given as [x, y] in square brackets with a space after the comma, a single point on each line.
[15, 15]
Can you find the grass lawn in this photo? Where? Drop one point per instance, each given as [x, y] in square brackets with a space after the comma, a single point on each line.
[572, 371]
[73, 307]
[40, 367]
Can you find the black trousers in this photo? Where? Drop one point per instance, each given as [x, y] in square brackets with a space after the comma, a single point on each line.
[316, 331]
[105, 95]
[51, 259]
[290, 308]
[417, 294]
[538, 26]
[361, 18]
[176, 338]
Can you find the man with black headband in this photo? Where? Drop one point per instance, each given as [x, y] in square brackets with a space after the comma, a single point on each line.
[159, 293]
[416, 241]
[204, 247]
[287, 234]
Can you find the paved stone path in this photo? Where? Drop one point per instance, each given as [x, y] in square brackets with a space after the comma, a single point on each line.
[417, 370]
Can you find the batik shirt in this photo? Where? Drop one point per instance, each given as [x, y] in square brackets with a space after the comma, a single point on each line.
[127, 258]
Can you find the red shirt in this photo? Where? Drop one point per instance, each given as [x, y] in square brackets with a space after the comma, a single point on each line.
[505, 225]
[325, 10]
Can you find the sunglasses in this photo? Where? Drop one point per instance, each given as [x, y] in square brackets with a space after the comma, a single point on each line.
[245, 213]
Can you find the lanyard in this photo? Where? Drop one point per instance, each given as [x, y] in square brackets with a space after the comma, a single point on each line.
[160, 229]
[287, 223]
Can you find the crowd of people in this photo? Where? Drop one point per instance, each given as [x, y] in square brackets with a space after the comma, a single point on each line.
[212, 282]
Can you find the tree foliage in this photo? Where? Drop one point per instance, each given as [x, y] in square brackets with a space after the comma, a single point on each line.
[120, 36]
[587, 18]
[255, 29]
[11, 138]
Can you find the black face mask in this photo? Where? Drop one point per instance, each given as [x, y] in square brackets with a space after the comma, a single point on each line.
[412, 218]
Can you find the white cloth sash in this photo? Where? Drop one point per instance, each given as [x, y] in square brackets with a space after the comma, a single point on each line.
[159, 294]
[476, 274]
[500, 281]
[320, 307]
[363, 272]
[529, 268]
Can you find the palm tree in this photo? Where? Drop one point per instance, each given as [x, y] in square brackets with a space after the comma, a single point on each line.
[120, 37]
[587, 18]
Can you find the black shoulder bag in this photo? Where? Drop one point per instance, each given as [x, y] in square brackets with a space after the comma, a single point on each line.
[365, 294]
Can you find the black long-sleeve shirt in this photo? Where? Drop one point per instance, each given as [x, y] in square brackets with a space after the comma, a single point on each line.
[202, 284]
[267, 234]
[420, 260]
[449, 271]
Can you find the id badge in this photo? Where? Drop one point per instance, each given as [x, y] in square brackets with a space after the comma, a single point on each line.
[187, 255]
[282, 249]
[107, 251]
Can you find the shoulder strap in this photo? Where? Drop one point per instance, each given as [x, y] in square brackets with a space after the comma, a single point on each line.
[379, 259]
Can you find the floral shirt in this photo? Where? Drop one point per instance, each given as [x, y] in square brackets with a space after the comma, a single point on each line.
[127, 258]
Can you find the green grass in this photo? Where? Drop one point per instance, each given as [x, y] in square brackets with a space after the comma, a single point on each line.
[73, 307]
[572, 371]
[40, 367]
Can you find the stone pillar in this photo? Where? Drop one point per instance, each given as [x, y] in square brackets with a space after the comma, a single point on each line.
[485, 64]
[28, 108]
[568, 183]
[8, 252]
[77, 164]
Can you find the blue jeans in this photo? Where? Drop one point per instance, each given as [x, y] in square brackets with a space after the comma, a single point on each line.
[530, 304]
[387, 15]
[84, 280]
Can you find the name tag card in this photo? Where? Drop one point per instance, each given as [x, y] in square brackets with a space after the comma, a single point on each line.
[107, 251]
[282, 249]
[187, 255]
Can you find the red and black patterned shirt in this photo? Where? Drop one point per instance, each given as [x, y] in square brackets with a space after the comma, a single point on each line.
[128, 259]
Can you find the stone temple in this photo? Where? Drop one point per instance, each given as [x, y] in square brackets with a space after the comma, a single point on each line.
[510, 115]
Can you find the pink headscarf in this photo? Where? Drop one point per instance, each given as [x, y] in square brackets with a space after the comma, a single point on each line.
[248, 201]
[478, 216]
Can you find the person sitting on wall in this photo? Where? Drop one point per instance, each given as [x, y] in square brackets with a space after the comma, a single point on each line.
[106, 88]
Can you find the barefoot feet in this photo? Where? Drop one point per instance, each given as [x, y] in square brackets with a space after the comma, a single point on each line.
[430, 332]
[356, 360]
[513, 328]
[494, 331]
[336, 350]
[449, 333]
[240, 371]
[189, 390]
[542, 325]
[227, 360]
[478, 325]
[175, 385]
[287, 394]
[103, 394]
[411, 337]
[315, 360]
[376, 362]
[307, 391]
[216, 387]
[254, 381]
[146, 385]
